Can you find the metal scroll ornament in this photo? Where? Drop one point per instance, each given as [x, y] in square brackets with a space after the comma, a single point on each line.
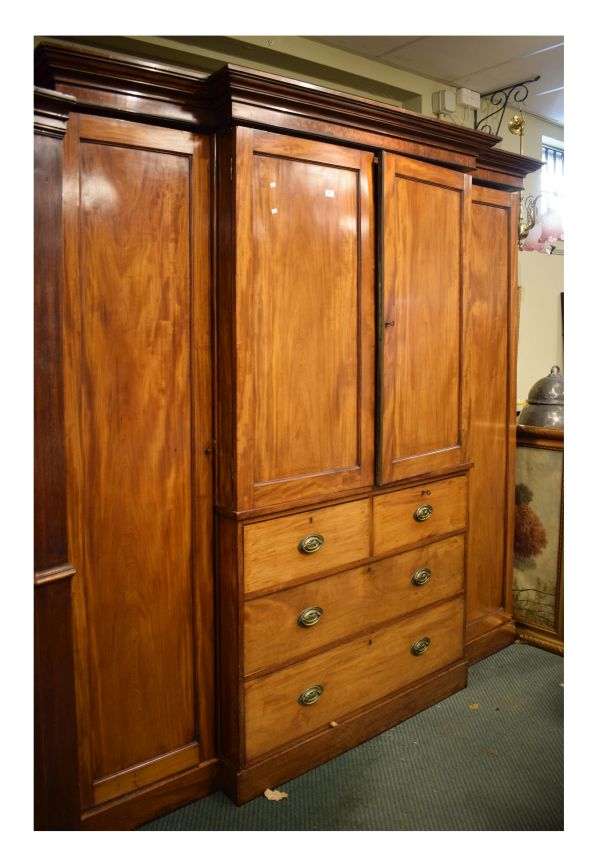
[498, 100]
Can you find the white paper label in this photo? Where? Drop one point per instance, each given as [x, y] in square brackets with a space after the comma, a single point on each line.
[330, 194]
[273, 210]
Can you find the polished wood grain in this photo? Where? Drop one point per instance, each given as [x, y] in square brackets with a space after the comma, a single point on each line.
[352, 675]
[351, 602]
[394, 524]
[137, 451]
[490, 308]
[425, 234]
[140, 418]
[127, 812]
[304, 318]
[326, 743]
[272, 559]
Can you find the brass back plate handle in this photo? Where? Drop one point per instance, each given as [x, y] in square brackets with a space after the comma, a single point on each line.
[311, 694]
[422, 513]
[310, 616]
[310, 544]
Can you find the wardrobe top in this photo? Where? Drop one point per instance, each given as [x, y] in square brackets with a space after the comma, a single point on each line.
[139, 88]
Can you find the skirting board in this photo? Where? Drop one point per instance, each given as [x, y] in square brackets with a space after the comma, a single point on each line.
[490, 642]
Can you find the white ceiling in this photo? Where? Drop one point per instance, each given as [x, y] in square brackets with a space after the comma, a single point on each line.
[481, 63]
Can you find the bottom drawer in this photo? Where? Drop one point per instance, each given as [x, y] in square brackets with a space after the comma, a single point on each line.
[350, 676]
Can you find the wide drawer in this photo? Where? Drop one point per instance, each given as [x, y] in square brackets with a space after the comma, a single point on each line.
[331, 538]
[349, 677]
[409, 516]
[301, 620]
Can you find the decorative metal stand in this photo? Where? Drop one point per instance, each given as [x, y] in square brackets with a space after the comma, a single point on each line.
[516, 93]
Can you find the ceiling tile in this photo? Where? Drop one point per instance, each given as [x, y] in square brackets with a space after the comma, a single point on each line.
[449, 58]
[366, 46]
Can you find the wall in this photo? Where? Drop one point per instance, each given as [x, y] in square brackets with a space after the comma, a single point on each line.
[540, 275]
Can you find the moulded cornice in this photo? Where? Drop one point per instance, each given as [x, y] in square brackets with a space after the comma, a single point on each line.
[120, 84]
[234, 86]
[51, 112]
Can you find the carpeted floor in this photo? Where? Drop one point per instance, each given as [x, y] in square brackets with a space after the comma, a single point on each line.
[489, 758]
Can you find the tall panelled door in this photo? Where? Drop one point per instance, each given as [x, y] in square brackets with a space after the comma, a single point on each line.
[426, 210]
[304, 319]
[138, 421]
[490, 319]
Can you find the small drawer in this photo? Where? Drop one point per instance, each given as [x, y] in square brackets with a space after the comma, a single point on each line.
[296, 701]
[283, 550]
[411, 515]
[301, 620]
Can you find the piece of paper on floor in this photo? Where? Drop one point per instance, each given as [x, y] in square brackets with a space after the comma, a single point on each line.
[474, 706]
[274, 795]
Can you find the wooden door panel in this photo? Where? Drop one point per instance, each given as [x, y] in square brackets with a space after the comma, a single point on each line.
[137, 449]
[305, 310]
[424, 218]
[488, 314]
[137, 537]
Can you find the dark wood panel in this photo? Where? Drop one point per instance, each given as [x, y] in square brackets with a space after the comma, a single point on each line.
[424, 239]
[56, 773]
[50, 543]
[225, 322]
[56, 803]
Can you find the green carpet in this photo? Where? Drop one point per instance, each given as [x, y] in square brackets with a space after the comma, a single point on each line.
[453, 767]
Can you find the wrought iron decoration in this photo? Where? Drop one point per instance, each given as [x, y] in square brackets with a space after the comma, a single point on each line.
[517, 93]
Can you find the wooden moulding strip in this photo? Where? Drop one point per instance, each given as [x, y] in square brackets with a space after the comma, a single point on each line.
[490, 642]
[145, 773]
[132, 810]
[292, 507]
[56, 573]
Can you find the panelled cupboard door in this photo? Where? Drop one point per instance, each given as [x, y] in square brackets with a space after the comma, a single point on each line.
[490, 321]
[138, 419]
[304, 318]
[423, 242]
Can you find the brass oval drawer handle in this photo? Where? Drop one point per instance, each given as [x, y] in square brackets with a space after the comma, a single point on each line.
[311, 543]
[421, 576]
[420, 646]
[311, 694]
[310, 616]
[422, 513]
